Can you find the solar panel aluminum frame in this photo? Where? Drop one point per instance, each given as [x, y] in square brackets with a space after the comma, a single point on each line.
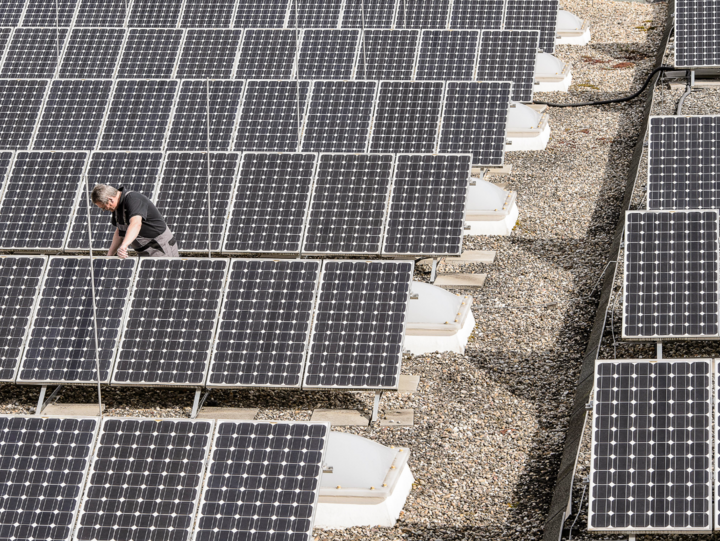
[390, 198]
[107, 109]
[33, 309]
[100, 430]
[662, 338]
[710, 456]
[41, 112]
[130, 300]
[675, 51]
[4, 53]
[31, 327]
[209, 385]
[6, 177]
[715, 443]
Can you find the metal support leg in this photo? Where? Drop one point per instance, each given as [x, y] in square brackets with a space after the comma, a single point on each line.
[198, 402]
[433, 272]
[659, 351]
[39, 408]
[376, 406]
[53, 396]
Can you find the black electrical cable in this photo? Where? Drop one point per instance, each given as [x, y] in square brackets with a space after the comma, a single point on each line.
[616, 100]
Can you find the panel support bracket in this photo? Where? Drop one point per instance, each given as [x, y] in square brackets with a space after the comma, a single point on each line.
[433, 271]
[376, 406]
[53, 396]
[198, 402]
[659, 351]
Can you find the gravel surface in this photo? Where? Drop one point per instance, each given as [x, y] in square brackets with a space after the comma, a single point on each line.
[490, 424]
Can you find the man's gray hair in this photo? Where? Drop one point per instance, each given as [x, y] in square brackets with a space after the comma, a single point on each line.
[102, 193]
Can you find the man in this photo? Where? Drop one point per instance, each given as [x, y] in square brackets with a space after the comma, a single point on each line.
[138, 224]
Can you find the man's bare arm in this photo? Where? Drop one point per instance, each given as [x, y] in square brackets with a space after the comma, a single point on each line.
[117, 239]
[131, 234]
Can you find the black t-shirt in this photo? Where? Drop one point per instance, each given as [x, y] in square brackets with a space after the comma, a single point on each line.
[136, 204]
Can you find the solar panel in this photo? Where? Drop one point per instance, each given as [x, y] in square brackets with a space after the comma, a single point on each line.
[475, 120]
[20, 104]
[422, 14]
[270, 202]
[171, 322]
[151, 13]
[427, 206]
[697, 43]
[208, 54]
[61, 342]
[407, 116]
[29, 221]
[92, 53]
[136, 171]
[268, 53]
[368, 14]
[263, 481]
[189, 129]
[357, 334]
[328, 54]
[183, 194]
[4, 37]
[105, 13]
[11, 12]
[349, 203]
[264, 324]
[43, 462]
[49, 13]
[269, 118]
[390, 54]
[534, 15]
[150, 53]
[650, 468]
[311, 14]
[20, 278]
[671, 275]
[339, 116]
[138, 115]
[509, 55]
[447, 54]
[208, 13]
[33, 52]
[683, 163]
[144, 481]
[477, 14]
[73, 114]
[261, 14]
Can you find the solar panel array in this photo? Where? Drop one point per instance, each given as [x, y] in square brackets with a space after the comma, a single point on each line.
[697, 42]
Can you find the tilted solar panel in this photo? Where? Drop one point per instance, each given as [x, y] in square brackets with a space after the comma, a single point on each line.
[447, 55]
[697, 42]
[20, 104]
[92, 53]
[268, 53]
[33, 53]
[208, 54]
[389, 54]
[324, 14]
[509, 55]
[105, 13]
[208, 13]
[534, 15]
[150, 53]
[49, 12]
[328, 54]
[422, 14]
[477, 14]
[4, 39]
[11, 12]
[151, 13]
[368, 13]
[261, 13]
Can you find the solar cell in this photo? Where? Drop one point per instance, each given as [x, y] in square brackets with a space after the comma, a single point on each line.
[33, 53]
[407, 116]
[11, 12]
[138, 115]
[390, 54]
[651, 444]
[183, 197]
[171, 322]
[92, 53]
[20, 278]
[49, 13]
[208, 13]
[269, 118]
[150, 53]
[263, 481]
[136, 171]
[328, 54]
[447, 54]
[357, 334]
[72, 115]
[61, 342]
[208, 54]
[509, 55]
[339, 116]
[43, 463]
[427, 206]
[28, 221]
[422, 14]
[534, 15]
[144, 481]
[261, 13]
[20, 104]
[671, 274]
[325, 14]
[475, 120]
[264, 323]
[151, 13]
[697, 42]
[683, 163]
[349, 203]
[268, 53]
[368, 14]
[477, 14]
[102, 14]
[269, 204]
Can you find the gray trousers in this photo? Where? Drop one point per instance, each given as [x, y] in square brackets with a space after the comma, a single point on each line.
[163, 245]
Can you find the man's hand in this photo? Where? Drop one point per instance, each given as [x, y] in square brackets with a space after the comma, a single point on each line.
[122, 252]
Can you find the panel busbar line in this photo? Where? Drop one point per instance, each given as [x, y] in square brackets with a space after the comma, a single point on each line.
[263, 481]
[509, 55]
[20, 278]
[390, 54]
[208, 53]
[268, 53]
[264, 324]
[60, 346]
[670, 286]
[20, 105]
[171, 322]
[447, 55]
[145, 480]
[92, 53]
[697, 41]
[359, 325]
[43, 463]
[650, 465]
[534, 15]
[684, 163]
